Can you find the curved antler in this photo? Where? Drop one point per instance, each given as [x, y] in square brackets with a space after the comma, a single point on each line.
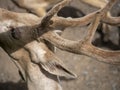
[84, 46]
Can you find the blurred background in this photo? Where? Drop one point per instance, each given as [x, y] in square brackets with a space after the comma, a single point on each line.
[92, 75]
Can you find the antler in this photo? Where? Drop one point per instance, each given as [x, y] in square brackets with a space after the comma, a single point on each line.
[80, 47]
[46, 19]
[18, 32]
[84, 46]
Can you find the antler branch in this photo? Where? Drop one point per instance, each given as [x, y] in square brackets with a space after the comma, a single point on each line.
[52, 12]
[84, 46]
[112, 20]
[65, 22]
[80, 47]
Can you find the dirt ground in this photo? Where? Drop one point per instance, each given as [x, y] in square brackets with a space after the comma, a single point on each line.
[92, 75]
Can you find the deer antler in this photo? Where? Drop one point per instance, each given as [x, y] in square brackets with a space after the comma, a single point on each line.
[17, 34]
[80, 47]
[84, 46]
[52, 12]
[88, 18]
[112, 20]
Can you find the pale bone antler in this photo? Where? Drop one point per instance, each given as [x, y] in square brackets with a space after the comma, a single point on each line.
[105, 28]
[66, 22]
[84, 46]
[38, 7]
[32, 57]
[46, 19]
[16, 38]
[18, 33]
[87, 19]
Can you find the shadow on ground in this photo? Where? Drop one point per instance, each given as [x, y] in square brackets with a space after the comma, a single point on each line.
[13, 86]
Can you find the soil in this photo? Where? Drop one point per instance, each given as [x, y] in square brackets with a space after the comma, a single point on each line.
[92, 75]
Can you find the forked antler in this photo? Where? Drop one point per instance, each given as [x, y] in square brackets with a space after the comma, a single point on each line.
[46, 19]
[87, 19]
[80, 47]
[84, 46]
[18, 32]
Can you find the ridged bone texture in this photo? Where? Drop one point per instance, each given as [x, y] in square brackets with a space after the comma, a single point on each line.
[23, 36]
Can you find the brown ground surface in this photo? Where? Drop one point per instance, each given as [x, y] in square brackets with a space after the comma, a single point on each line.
[92, 75]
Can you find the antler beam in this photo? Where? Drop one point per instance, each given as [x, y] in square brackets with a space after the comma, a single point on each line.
[84, 46]
[80, 47]
[46, 19]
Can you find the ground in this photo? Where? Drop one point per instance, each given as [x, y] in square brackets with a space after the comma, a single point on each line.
[92, 75]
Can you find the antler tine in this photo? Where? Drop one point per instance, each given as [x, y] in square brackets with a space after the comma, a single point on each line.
[92, 28]
[52, 12]
[65, 22]
[64, 44]
[80, 47]
[108, 6]
[115, 21]
[84, 46]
